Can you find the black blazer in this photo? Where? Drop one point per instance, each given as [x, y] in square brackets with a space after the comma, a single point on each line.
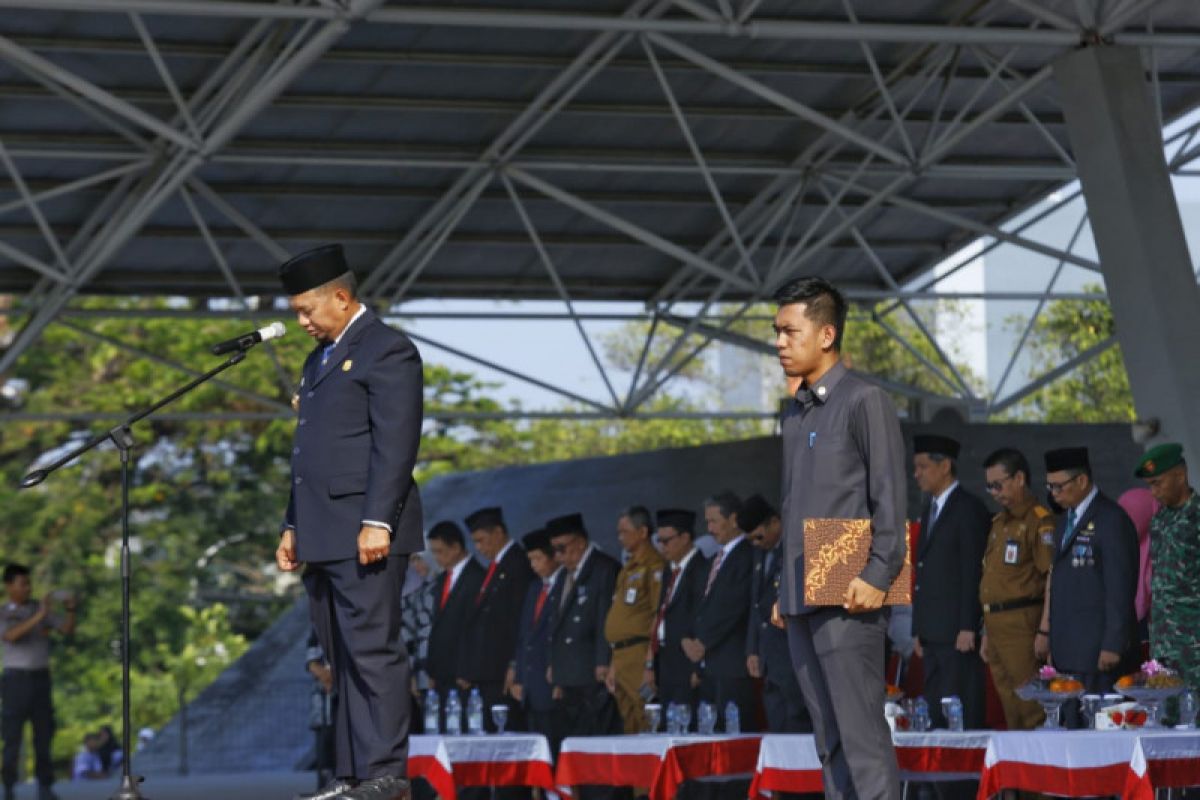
[763, 639]
[445, 638]
[722, 614]
[674, 667]
[533, 646]
[490, 639]
[577, 644]
[949, 564]
[355, 444]
[1092, 587]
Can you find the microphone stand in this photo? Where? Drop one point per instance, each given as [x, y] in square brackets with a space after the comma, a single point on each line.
[122, 437]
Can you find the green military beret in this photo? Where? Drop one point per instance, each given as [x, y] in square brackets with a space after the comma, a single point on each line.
[1159, 459]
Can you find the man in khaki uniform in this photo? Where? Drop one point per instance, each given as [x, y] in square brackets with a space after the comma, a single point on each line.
[1016, 563]
[632, 614]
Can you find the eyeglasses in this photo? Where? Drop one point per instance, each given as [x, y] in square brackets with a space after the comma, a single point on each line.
[996, 486]
[1055, 488]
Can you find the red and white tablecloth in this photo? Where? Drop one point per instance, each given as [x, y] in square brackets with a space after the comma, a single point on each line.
[657, 761]
[1131, 764]
[511, 759]
[789, 762]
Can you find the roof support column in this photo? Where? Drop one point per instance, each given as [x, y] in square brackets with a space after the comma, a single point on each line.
[1113, 128]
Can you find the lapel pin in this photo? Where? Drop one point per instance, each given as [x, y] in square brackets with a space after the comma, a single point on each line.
[346, 365]
[820, 391]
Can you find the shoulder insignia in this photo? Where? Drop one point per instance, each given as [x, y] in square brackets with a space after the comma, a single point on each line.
[1041, 512]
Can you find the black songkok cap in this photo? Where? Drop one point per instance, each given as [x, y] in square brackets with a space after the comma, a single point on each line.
[936, 445]
[313, 268]
[485, 518]
[537, 540]
[569, 523]
[754, 512]
[677, 518]
[1067, 458]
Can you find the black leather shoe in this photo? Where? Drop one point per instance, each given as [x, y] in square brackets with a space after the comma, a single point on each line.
[389, 787]
[335, 788]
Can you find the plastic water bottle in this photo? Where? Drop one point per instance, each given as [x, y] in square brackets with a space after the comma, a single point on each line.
[732, 723]
[952, 709]
[432, 708]
[453, 714]
[921, 722]
[475, 713]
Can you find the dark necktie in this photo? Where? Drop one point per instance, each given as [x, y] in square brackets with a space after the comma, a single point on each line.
[662, 609]
[712, 573]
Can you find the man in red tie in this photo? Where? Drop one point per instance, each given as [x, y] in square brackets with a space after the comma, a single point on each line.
[490, 637]
[527, 673]
[459, 585]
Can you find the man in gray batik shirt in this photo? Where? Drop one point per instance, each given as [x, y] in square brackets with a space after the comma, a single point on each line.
[843, 457]
[25, 626]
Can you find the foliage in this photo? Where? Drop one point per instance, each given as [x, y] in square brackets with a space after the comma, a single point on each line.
[1096, 391]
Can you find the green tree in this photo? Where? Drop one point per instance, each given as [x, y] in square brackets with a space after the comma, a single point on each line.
[1095, 391]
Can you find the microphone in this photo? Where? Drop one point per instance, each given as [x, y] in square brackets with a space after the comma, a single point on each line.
[248, 340]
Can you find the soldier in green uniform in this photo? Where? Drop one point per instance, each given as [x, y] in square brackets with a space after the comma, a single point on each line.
[1174, 553]
[1012, 589]
[632, 613]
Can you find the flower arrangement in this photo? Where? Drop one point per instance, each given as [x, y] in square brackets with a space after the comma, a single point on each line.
[1152, 675]
[1053, 680]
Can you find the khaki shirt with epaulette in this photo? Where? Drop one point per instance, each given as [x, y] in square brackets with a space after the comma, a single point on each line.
[635, 596]
[1019, 552]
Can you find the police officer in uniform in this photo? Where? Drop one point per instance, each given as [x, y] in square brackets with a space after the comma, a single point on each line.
[1093, 625]
[1016, 561]
[767, 654]
[634, 606]
[354, 514]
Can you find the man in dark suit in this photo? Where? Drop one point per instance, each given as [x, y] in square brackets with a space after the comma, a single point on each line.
[579, 653]
[459, 586]
[767, 654]
[354, 514]
[528, 671]
[1093, 623]
[490, 640]
[668, 669]
[719, 644]
[949, 563]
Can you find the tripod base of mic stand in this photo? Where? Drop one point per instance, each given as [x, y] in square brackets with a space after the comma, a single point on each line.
[129, 789]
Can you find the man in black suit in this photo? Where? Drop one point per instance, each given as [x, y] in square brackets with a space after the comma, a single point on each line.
[461, 580]
[719, 644]
[949, 563]
[767, 653]
[579, 653]
[1093, 623]
[490, 640]
[668, 669]
[527, 675]
[354, 514]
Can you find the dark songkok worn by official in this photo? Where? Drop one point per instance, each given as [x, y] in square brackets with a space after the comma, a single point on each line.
[313, 268]
[536, 540]
[936, 445]
[568, 523]
[485, 518]
[677, 518]
[1067, 458]
[754, 512]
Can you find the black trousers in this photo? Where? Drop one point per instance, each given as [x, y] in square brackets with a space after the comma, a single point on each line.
[947, 672]
[25, 697]
[356, 613]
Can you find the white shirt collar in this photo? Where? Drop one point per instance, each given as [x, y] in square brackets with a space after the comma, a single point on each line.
[686, 559]
[732, 543]
[586, 555]
[1082, 508]
[362, 309]
[503, 550]
[939, 502]
[457, 569]
[553, 578]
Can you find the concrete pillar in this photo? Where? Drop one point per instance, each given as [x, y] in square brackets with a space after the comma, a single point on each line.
[1114, 133]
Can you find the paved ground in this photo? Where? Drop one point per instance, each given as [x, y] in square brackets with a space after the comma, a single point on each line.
[246, 786]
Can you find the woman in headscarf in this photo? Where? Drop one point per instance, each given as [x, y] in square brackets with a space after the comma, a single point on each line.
[1141, 506]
